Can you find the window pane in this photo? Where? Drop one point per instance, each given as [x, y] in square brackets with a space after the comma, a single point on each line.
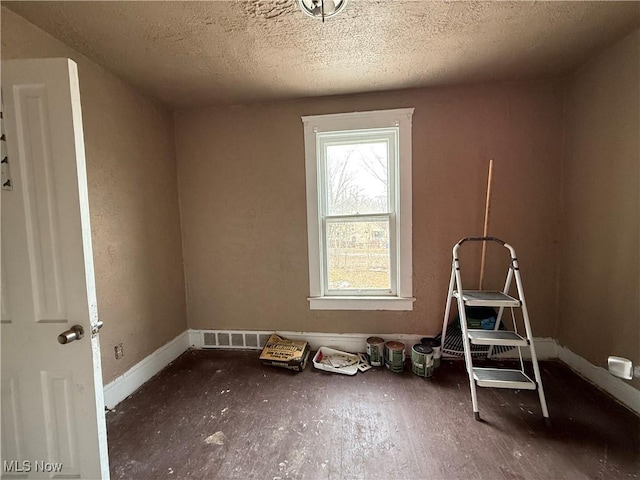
[358, 254]
[357, 178]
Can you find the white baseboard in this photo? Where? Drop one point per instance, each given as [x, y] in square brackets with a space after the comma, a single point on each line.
[351, 342]
[616, 387]
[141, 372]
[546, 349]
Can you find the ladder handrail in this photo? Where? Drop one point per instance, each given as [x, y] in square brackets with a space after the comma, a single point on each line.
[512, 250]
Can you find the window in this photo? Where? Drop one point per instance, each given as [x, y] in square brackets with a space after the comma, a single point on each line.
[359, 210]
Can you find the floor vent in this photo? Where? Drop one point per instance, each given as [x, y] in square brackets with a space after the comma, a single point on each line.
[230, 339]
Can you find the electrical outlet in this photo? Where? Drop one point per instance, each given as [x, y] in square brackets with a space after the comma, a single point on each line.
[119, 350]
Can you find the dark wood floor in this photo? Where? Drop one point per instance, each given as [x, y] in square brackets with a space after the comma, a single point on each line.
[220, 414]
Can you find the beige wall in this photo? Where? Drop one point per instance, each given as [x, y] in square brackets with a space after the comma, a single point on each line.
[134, 203]
[600, 278]
[241, 172]
[242, 184]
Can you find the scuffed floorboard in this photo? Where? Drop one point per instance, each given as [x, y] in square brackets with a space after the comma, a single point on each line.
[220, 414]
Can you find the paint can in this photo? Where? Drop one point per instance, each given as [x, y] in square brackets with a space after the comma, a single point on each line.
[436, 345]
[422, 360]
[375, 351]
[437, 352]
[394, 356]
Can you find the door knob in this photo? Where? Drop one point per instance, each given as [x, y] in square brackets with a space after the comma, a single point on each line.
[74, 333]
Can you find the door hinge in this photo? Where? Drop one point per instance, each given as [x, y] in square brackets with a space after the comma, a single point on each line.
[5, 179]
[95, 328]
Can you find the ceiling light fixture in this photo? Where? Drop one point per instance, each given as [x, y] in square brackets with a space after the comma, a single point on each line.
[322, 8]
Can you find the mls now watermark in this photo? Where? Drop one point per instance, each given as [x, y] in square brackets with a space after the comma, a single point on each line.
[27, 466]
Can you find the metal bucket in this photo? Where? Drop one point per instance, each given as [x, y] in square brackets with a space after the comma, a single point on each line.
[394, 356]
[422, 360]
[436, 345]
[375, 351]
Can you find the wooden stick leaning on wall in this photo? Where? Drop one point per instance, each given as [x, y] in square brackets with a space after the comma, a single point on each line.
[485, 230]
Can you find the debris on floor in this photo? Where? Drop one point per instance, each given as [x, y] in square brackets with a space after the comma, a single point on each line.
[285, 353]
[337, 361]
[215, 439]
[364, 364]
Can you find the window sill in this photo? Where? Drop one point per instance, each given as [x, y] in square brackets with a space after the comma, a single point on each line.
[361, 303]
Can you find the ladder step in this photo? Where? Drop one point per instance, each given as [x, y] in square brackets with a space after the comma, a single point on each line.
[486, 298]
[496, 337]
[502, 378]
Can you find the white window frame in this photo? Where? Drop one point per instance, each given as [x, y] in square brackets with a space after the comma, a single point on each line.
[402, 297]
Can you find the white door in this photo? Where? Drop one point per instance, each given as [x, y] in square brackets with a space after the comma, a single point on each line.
[53, 422]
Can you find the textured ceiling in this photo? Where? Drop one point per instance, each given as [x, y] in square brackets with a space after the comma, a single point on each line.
[204, 53]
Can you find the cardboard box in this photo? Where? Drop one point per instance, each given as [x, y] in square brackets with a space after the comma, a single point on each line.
[285, 353]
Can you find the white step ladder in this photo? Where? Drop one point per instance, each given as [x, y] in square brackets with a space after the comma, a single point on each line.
[494, 377]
